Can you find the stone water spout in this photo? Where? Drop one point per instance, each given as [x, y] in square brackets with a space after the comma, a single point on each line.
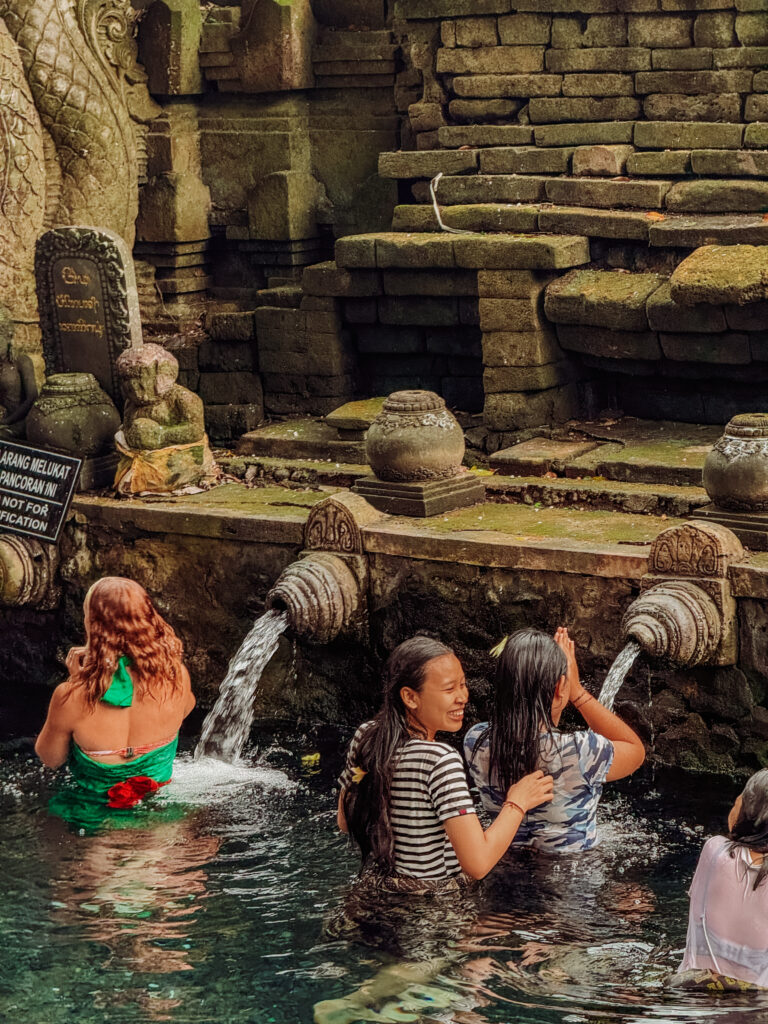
[676, 621]
[320, 593]
[687, 613]
[325, 590]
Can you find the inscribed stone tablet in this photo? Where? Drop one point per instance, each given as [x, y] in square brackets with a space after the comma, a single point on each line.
[89, 310]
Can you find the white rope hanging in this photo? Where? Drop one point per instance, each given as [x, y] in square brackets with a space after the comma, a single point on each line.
[436, 208]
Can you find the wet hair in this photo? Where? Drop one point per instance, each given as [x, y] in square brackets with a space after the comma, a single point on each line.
[750, 830]
[527, 674]
[123, 621]
[366, 804]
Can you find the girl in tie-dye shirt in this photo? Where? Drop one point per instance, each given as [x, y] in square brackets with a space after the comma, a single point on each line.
[536, 678]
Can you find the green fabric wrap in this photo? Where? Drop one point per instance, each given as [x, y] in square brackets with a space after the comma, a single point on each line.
[119, 693]
[83, 798]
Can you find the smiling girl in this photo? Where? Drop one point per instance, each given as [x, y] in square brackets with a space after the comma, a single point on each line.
[404, 797]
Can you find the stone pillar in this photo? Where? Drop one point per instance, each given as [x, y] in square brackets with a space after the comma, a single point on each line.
[526, 374]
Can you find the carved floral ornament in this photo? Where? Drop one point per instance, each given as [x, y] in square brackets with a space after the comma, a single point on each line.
[695, 550]
[337, 522]
[108, 26]
[331, 527]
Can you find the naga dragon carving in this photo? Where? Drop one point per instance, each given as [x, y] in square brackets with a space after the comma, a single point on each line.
[68, 151]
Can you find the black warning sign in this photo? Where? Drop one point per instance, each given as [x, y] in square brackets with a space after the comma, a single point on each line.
[36, 488]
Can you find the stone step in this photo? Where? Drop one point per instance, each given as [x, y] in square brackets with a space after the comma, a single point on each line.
[587, 493]
[601, 298]
[644, 451]
[284, 296]
[476, 217]
[689, 232]
[657, 229]
[473, 251]
[604, 193]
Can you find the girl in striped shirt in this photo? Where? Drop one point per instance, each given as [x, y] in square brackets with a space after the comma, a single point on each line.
[404, 797]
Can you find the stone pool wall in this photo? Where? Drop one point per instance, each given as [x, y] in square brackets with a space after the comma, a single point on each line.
[210, 571]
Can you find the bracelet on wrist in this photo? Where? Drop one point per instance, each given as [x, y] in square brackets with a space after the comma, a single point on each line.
[582, 700]
[517, 807]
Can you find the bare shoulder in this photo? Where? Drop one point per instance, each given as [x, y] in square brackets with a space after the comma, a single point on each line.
[67, 701]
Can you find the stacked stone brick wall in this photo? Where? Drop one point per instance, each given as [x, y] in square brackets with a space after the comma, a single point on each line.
[635, 126]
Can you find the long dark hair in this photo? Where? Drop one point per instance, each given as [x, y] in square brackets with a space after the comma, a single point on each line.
[750, 830]
[366, 803]
[527, 674]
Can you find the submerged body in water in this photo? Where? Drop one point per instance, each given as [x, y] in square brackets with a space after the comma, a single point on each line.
[115, 720]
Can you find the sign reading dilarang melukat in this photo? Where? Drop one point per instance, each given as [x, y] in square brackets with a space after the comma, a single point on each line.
[36, 488]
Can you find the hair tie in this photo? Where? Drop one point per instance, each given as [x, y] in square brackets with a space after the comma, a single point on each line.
[358, 774]
[496, 651]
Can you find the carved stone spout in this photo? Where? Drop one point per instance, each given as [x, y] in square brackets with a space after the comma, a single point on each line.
[28, 573]
[321, 594]
[676, 621]
[325, 590]
[686, 612]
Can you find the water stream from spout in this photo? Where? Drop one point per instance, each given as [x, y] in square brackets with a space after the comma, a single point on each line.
[228, 723]
[617, 673]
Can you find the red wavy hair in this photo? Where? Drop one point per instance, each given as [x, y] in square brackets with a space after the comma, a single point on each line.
[121, 620]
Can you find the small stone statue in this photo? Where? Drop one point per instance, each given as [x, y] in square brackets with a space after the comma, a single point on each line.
[18, 383]
[162, 439]
[158, 411]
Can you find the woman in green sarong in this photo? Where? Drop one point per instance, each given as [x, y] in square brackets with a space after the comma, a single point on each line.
[115, 721]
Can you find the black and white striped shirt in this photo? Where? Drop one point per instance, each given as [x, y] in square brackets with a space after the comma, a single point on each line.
[429, 786]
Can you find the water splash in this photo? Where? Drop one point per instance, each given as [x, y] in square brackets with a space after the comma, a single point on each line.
[617, 673]
[228, 724]
[207, 781]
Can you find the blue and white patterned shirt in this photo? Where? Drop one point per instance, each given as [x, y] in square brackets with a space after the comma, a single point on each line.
[579, 763]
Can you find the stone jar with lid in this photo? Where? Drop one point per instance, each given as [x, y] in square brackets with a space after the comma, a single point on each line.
[736, 470]
[415, 438]
[74, 415]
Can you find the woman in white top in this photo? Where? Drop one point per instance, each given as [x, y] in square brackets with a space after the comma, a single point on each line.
[404, 797]
[728, 919]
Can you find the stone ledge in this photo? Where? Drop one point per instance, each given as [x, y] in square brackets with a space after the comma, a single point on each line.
[492, 252]
[722, 275]
[472, 217]
[709, 229]
[600, 298]
[501, 550]
[187, 519]
[425, 163]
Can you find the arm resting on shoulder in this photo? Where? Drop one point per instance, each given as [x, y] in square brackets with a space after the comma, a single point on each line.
[476, 850]
[52, 745]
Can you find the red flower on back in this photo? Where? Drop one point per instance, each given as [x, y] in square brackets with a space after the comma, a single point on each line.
[129, 793]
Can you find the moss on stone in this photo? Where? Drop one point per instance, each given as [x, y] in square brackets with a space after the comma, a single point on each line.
[719, 274]
[547, 524]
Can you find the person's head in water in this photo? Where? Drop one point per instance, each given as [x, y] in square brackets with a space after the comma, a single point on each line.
[748, 820]
[120, 619]
[530, 693]
[424, 693]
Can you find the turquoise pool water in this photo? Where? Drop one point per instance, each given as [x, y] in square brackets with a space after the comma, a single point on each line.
[241, 914]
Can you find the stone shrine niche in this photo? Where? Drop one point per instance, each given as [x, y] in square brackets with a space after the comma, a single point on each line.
[89, 310]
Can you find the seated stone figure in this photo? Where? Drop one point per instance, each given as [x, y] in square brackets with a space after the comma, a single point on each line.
[18, 385]
[158, 411]
[162, 439]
